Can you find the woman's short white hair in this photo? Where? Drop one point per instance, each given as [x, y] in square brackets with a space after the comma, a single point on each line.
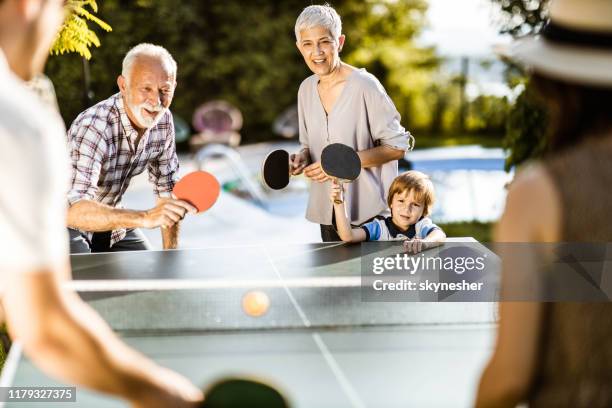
[319, 16]
[149, 50]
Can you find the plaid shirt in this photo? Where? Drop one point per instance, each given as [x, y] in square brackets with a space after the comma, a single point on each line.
[101, 142]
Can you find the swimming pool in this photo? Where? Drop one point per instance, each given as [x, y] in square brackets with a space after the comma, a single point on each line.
[470, 182]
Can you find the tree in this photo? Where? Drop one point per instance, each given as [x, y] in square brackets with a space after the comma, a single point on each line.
[380, 37]
[526, 129]
[488, 115]
[527, 121]
[521, 17]
[75, 35]
[245, 53]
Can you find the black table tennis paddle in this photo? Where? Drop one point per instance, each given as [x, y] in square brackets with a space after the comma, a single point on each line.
[342, 163]
[241, 393]
[276, 169]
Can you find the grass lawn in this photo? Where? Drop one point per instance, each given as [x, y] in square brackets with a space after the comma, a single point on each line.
[481, 231]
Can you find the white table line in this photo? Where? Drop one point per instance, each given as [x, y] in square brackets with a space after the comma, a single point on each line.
[184, 284]
[345, 384]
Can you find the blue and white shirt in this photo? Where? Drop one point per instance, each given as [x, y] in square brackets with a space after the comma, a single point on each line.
[383, 229]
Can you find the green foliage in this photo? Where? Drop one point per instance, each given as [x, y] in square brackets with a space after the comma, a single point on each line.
[75, 35]
[439, 98]
[485, 114]
[488, 114]
[527, 122]
[2, 357]
[245, 53]
[3, 351]
[526, 129]
[381, 34]
[521, 17]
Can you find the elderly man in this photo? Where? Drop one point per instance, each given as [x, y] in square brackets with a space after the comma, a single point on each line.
[58, 332]
[115, 140]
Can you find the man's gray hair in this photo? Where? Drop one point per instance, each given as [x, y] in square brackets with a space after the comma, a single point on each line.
[319, 16]
[149, 50]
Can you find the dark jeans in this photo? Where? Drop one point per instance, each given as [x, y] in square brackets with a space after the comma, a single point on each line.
[134, 241]
[328, 232]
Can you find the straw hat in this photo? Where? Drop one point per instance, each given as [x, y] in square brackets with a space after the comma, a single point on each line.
[575, 45]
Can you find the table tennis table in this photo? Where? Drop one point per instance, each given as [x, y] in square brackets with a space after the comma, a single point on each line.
[319, 342]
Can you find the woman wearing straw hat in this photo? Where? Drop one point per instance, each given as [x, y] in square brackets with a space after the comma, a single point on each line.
[560, 354]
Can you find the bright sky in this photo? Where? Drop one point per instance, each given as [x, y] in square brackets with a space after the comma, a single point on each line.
[462, 27]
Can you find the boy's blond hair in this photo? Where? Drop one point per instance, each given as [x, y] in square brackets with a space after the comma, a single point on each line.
[415, 181]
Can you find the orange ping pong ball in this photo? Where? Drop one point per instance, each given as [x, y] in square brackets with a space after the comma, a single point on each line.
[255, 303]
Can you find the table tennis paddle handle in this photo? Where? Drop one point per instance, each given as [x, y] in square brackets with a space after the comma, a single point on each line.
[340, 198]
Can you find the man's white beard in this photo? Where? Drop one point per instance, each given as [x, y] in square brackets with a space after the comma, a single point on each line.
[147, 122]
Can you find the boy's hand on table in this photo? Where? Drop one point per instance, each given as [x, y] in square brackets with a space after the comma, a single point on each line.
[335, 191]
[415, 245]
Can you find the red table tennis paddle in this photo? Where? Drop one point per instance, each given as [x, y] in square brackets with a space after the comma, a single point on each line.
[342, 163]
[199, 188]
[276, 169]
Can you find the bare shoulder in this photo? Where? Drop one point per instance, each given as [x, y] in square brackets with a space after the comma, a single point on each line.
[533, 208]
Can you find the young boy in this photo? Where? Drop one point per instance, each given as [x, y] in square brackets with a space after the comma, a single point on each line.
[411, 197]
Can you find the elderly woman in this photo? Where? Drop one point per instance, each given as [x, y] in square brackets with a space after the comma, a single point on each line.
[343, 104]
[560, 354]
